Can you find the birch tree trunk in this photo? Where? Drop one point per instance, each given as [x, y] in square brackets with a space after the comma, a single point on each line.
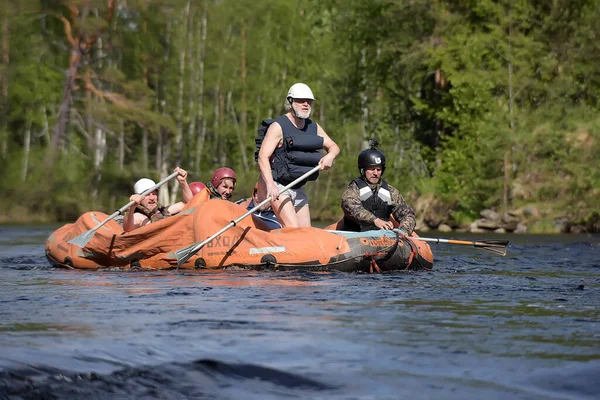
[440, 82]
[4, 84]
[200, 143]
[180, 90]
[145, 144]
[159, 136]
[244, 105]
[99, 134]
[323, 200]
[220, 138]
[507, 151]
[222, 142]
[261, 102]
[164, 142]
[201, 123]
[348, 139]
[217, 117]
[26, 149]
[99, 150]
[364, 100]
[240, 133]
[396, 149]
[46, 132]
[89, 123]
[192, 111]
[64, 110]
[278, 97]
[121, 155]
[145, 149]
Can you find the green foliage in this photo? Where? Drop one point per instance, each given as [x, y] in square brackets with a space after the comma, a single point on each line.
[451, 89]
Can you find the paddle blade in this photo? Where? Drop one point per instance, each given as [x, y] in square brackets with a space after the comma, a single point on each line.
[495, 246]
[182, 255]
[83, 239]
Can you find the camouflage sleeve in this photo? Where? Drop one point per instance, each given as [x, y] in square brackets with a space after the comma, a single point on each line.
[353, 208]
[403, 213]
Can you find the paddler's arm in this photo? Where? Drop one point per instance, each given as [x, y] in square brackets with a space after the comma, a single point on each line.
[273, 139]
[353, 208]
[186, 192]
[333, 150]
[129, 217]
[403, 213]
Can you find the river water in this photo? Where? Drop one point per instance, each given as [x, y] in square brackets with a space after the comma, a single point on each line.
[523, 326]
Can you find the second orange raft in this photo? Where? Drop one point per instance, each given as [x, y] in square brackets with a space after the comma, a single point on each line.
[247, 245]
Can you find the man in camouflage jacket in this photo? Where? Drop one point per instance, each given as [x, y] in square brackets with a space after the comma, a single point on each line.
[369, 202]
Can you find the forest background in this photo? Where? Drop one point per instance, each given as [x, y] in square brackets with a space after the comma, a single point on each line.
[477, 104]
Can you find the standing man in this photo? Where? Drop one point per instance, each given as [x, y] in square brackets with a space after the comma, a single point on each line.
[368, 202]
[146, 209]
[290, 149]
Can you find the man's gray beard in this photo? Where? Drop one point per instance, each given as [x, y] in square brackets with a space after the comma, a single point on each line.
[299, 113]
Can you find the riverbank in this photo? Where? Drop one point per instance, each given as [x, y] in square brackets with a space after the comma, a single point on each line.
[433, 214]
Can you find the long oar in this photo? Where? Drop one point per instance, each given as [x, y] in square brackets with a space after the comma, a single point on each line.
[85, 237]
[495, 246]
[184, 254]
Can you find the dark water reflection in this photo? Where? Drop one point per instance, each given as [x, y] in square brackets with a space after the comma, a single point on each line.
[524, 326]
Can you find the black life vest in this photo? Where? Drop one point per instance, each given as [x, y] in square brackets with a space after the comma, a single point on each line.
[298, 154]
[378, 202]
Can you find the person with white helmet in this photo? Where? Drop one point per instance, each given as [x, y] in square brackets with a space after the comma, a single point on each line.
[146, 209]
[290, 148]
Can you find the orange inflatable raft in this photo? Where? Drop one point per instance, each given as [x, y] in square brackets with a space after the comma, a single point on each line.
[248, 244]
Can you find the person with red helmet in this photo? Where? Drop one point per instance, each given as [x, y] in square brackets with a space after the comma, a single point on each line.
[291, 147]
[222, 184]
[197, 187]
[146, 209]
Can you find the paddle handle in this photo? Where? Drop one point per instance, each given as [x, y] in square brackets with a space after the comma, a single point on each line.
[200, 245]
[450, 241]
[437, 240]
[496, 246]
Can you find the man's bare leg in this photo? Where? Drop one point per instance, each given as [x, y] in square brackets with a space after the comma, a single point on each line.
[285, 211]
[303, 215]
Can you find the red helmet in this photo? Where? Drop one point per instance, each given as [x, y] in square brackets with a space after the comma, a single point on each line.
[222, 173]
[196, 187]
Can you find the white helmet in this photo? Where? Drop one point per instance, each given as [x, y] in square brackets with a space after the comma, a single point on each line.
[142, 185]
[300, 91]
